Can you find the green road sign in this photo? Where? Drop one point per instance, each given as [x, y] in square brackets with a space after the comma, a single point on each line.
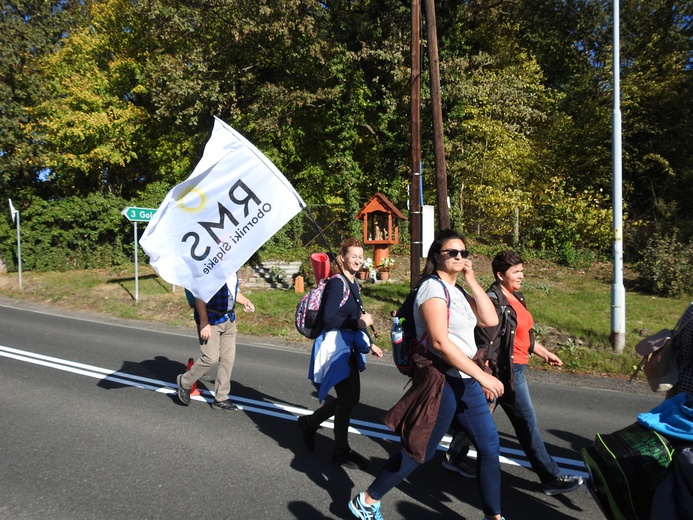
[138, 214]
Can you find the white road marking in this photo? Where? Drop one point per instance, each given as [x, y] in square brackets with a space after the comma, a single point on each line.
[369, 429]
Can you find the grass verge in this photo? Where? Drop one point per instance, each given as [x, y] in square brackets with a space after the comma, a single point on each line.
[571, 308]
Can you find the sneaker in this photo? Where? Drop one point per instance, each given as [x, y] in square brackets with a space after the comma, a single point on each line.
[227, 406]
[307, 433]
[364, 511]
[183, 394]
[563, 484]
[350, 459]
[464, 466]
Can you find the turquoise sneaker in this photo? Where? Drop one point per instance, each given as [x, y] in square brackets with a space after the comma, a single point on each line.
[364, 511]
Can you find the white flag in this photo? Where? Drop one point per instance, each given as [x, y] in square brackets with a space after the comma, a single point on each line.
[13, 211]
[208, 226]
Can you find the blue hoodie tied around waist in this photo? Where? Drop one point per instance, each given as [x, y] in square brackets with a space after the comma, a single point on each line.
[329, 361]
[673, 418]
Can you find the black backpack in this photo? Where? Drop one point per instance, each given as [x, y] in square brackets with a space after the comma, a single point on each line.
[403, 352]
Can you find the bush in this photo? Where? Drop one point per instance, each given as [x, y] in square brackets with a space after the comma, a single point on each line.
[76, 233]
[575, 225]
[665, 266]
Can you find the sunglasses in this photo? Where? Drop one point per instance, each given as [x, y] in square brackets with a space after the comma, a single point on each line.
[454, 252]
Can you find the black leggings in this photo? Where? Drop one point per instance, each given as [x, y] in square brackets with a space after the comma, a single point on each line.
[348, 394]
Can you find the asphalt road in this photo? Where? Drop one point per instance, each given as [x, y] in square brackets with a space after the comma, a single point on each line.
[90, 429]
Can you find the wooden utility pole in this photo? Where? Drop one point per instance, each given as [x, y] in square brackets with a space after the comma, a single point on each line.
[415, 189]
[438, 141]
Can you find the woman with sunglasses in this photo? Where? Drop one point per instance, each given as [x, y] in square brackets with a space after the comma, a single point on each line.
[445, 317]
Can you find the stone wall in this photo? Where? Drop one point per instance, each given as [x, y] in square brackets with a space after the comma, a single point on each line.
[274, 274]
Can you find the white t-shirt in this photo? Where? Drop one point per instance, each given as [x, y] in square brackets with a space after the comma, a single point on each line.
[462, 318]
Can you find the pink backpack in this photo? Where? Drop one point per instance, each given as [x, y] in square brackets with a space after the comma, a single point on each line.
[307, 310]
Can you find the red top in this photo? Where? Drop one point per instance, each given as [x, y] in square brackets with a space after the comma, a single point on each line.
[524, 324]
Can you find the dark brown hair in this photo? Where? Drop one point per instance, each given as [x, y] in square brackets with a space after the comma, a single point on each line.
[442, 237]
[504, 261]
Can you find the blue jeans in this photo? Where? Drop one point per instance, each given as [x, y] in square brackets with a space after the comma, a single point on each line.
[524, 421]
[463, 400]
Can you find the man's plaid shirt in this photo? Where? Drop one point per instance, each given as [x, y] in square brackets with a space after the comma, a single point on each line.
[220, 306]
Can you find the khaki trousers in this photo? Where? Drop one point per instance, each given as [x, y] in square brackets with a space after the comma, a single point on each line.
[219, 350]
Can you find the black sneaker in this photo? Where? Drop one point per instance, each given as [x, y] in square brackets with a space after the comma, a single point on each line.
[183, 394]
[227, 406]
[307, 433]
[464, 466]
[563, 484]
[350, 459]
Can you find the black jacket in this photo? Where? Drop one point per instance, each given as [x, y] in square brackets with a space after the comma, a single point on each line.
[496, 344]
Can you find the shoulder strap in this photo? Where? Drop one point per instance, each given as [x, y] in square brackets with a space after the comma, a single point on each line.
[424, 336]
[445, 288]
[346, 289]
[684, 324]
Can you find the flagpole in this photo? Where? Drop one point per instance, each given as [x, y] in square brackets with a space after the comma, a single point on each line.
[332, 255]
[15, 218]
[19, 250]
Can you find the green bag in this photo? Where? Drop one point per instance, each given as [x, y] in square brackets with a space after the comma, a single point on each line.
[625, 468]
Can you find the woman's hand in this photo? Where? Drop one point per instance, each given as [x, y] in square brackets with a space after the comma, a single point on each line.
[481, 304]
[467, 270]
[492, 386]
[366, 320]
[377, 351]
[488, 394]
[548, 356]
[553, 360]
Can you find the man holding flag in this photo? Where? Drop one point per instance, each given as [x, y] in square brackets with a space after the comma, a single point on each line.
[208, 226]
[216, 328]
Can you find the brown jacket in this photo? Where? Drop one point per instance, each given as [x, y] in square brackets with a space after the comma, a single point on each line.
[414, 415]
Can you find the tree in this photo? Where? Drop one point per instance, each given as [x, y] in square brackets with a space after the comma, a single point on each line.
[29, 30]
[657, 91]
[498, 108]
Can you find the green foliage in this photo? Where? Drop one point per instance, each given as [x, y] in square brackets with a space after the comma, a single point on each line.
[91, 132]
[75, 233]
[568, 221]
[8, 243]
[666, 265]
[117, 97]
[569, 255]
[29, 31]
[285, 244]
